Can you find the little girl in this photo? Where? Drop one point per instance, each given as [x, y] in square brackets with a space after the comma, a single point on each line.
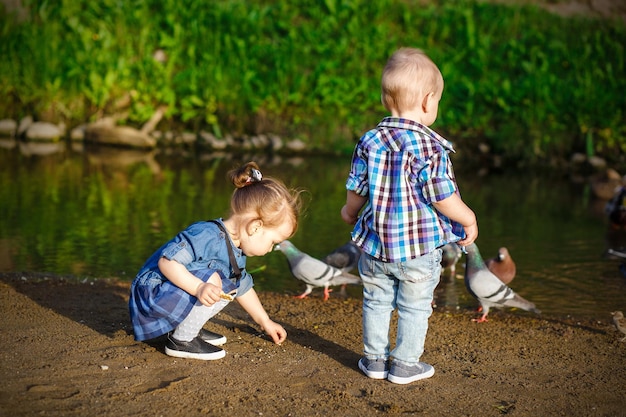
[196, 274]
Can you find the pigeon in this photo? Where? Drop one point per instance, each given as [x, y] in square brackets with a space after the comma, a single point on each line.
[313, 272]
[487, 288]
[502, 265]
[450, 256]
[616, 253]
[345, 257]
[617, 319]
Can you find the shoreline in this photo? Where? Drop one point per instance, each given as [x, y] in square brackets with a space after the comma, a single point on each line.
[53, 278]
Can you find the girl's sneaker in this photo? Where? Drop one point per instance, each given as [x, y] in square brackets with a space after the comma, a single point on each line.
[215, 339]
[194, 349]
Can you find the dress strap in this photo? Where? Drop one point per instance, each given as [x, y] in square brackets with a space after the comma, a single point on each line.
[231, 254]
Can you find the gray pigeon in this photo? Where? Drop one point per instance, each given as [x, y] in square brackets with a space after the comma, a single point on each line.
[345, 257]
[617, 320]
[616, 253]
[450, 256]
[487, 288]
[313, 272]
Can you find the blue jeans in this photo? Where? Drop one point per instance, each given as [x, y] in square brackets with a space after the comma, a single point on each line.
[406, 286]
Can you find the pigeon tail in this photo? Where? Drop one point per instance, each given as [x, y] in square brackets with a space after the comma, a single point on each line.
[520, 302]
[345, 278]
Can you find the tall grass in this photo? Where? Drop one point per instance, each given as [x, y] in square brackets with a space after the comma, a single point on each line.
[531, 84]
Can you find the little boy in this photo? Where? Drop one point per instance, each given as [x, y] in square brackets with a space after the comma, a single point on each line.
[402, 174]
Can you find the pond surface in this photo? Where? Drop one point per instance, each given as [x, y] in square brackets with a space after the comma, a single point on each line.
[98, 213]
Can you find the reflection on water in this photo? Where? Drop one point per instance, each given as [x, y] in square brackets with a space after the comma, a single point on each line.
[100, 212]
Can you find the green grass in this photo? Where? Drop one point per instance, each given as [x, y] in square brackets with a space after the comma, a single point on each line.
[530, 84]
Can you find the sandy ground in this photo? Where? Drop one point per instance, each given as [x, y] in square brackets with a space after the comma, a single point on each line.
[68, 351]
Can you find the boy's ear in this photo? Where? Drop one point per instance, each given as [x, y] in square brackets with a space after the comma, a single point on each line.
[427, 97]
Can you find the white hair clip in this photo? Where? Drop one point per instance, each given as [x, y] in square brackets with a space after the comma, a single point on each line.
[255, 176]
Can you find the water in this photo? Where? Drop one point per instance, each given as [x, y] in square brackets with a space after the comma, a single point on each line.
[93, 212]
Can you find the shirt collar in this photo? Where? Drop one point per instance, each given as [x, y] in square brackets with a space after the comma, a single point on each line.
[400, 123]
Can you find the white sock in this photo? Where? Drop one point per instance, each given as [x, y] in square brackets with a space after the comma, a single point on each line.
[189, 328]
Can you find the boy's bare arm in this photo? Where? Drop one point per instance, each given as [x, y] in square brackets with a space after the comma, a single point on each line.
[455, 209]
[354, 204]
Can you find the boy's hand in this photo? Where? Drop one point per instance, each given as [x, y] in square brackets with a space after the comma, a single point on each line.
[471, 233]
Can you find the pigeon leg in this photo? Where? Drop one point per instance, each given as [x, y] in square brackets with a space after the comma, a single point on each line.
[327, 292]
[305, 293]
[343, 291]
[482, 319]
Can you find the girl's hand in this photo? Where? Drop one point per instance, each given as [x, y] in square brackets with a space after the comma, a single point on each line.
[251, 303]
[275, 331]
[208, 293]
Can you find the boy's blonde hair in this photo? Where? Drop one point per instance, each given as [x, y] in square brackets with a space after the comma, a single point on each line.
[268, 198]
[408, 77]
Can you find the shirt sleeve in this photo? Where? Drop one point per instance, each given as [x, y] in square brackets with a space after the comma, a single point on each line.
[358, 178]
[245, 284]
[439, 181]
[189, 245]
[179, 252]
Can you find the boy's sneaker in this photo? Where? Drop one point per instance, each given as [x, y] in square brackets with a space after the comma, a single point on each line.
[213, 338]
[374, 368]
[401, 373]
[195, 349]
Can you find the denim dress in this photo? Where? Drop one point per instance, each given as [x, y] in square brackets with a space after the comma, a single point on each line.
[156, 305]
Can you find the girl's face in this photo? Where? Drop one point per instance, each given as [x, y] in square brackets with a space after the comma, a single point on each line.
[263, 239]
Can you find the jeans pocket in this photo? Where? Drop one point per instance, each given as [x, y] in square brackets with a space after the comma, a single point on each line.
[421, 269]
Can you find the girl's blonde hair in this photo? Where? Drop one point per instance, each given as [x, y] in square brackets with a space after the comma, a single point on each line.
[268, 198]
[408, 77]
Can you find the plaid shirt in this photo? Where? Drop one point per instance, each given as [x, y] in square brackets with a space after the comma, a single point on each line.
[402, 167]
